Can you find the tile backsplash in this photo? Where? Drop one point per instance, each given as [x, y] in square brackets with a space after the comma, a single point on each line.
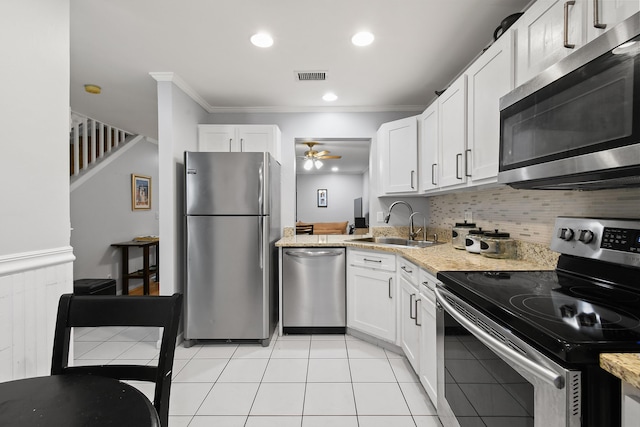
[529, 215]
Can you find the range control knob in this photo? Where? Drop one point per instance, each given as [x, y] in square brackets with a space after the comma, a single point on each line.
[586, 236]
[565, 234]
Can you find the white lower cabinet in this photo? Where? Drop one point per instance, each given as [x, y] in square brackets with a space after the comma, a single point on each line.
[371, 294]
[428, 354]
[409, 309]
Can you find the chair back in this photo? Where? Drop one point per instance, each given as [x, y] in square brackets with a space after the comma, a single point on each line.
[123, 310]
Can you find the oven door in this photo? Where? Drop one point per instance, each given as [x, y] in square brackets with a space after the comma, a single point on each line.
[492, 377]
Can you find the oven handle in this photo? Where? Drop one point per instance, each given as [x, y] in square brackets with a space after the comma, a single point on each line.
[527, 364]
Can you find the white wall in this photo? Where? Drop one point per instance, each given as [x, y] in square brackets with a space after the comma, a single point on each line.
[341, 190]
[101, 214]
[178, 117]
[35, 256]
[319, 125]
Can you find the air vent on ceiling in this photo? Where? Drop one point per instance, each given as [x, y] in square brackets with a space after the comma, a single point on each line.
[310, 76]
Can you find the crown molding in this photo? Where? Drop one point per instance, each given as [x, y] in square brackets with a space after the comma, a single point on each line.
[168, 76]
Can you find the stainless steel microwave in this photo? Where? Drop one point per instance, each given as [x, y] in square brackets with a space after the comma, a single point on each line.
[577, 124]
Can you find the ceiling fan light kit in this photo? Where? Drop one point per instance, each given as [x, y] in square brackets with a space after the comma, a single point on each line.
[314, 158]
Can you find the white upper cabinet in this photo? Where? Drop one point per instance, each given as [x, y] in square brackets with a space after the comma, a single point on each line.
[398, 145]
[546, 33]
[240, 138]
[489, 78]
[452, 106]
[429, 137]
[602, 15]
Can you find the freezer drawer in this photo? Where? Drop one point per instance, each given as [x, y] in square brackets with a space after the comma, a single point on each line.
[313, 288]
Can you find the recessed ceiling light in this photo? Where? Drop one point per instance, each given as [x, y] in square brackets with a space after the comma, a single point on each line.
[334, 169]
[363, 38]
[262, 40]
[330, 97]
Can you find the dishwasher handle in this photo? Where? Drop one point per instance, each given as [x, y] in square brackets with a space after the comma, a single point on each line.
[312, 254]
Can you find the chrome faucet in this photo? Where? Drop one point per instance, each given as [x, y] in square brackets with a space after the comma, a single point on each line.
[401, 202]
[413, 233]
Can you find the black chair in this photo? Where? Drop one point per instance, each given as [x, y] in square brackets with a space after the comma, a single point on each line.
[107, 310]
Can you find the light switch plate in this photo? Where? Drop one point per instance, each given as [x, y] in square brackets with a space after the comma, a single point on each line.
[380, 216]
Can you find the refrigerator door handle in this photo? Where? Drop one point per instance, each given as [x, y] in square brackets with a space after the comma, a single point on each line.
[261, 240]
[261, 188]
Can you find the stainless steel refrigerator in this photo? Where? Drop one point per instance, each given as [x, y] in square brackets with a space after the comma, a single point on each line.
[232, 212]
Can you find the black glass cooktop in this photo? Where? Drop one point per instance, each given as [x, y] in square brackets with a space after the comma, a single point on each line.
[569, 317]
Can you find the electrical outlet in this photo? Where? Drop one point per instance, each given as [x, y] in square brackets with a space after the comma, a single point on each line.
[468, 216]
[380, 216]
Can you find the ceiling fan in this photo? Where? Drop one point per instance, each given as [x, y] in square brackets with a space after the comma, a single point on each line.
[313, 157]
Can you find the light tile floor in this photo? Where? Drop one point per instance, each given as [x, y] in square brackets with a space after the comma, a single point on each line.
[299, 380]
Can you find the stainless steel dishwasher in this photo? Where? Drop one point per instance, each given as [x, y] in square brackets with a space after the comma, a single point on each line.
[314, 290]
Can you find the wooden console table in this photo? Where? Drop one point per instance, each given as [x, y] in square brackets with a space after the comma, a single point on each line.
[147, 270]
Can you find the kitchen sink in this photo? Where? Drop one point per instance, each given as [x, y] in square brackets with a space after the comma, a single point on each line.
[396, 241]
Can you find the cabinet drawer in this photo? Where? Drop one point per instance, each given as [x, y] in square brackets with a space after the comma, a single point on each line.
[375, 260]
[409, 270]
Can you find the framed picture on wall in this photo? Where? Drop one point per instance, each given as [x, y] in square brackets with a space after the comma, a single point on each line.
[140, 192]
[322, 198]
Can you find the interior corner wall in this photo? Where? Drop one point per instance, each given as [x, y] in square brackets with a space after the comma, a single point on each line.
[341, 190]
[101, 214]
[178, 119]
[34, 117]
[35, 253]
[313, 125]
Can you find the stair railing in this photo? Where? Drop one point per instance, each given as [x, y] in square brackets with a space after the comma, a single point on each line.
[92, 140]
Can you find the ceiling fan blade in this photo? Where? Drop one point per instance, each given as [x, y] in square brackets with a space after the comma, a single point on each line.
[322, 153]
[328, 157]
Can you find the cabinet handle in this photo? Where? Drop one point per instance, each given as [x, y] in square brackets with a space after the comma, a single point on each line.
[566, 24]
[241, 144]
[230, 139]
[458, 159]
[466, 162]
[372, 260]
[390, 294]
[404, 268]
[596, 16]
[412, 175]
[411, 316]
[416, 319]
[433, 175]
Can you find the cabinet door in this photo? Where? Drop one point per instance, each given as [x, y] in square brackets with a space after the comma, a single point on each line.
[542, 40]
[428, 338]
[256, 139]
[371, 299]
[399, 155]
[453, 133]
[409, 328]
[429, 148]
[489, 78]
[602, 15]
[428, 353]
[216, 138]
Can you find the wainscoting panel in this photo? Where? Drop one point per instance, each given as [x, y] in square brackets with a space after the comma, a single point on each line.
[529, 215]
[30, 287]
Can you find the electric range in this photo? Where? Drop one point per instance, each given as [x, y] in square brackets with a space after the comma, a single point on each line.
[555, 324]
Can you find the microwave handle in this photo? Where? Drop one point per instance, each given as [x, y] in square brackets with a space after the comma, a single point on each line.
[527, 364]
[566, 24]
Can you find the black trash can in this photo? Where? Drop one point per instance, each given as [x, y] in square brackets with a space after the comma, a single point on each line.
[94, 287]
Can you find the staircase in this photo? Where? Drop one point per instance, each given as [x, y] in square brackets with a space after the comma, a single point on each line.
[91, 141]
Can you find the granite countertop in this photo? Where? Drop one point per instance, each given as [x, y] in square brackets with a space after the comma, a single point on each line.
[441, 257]
[625, 366]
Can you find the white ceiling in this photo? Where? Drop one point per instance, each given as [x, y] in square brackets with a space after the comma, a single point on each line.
[419, 47]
